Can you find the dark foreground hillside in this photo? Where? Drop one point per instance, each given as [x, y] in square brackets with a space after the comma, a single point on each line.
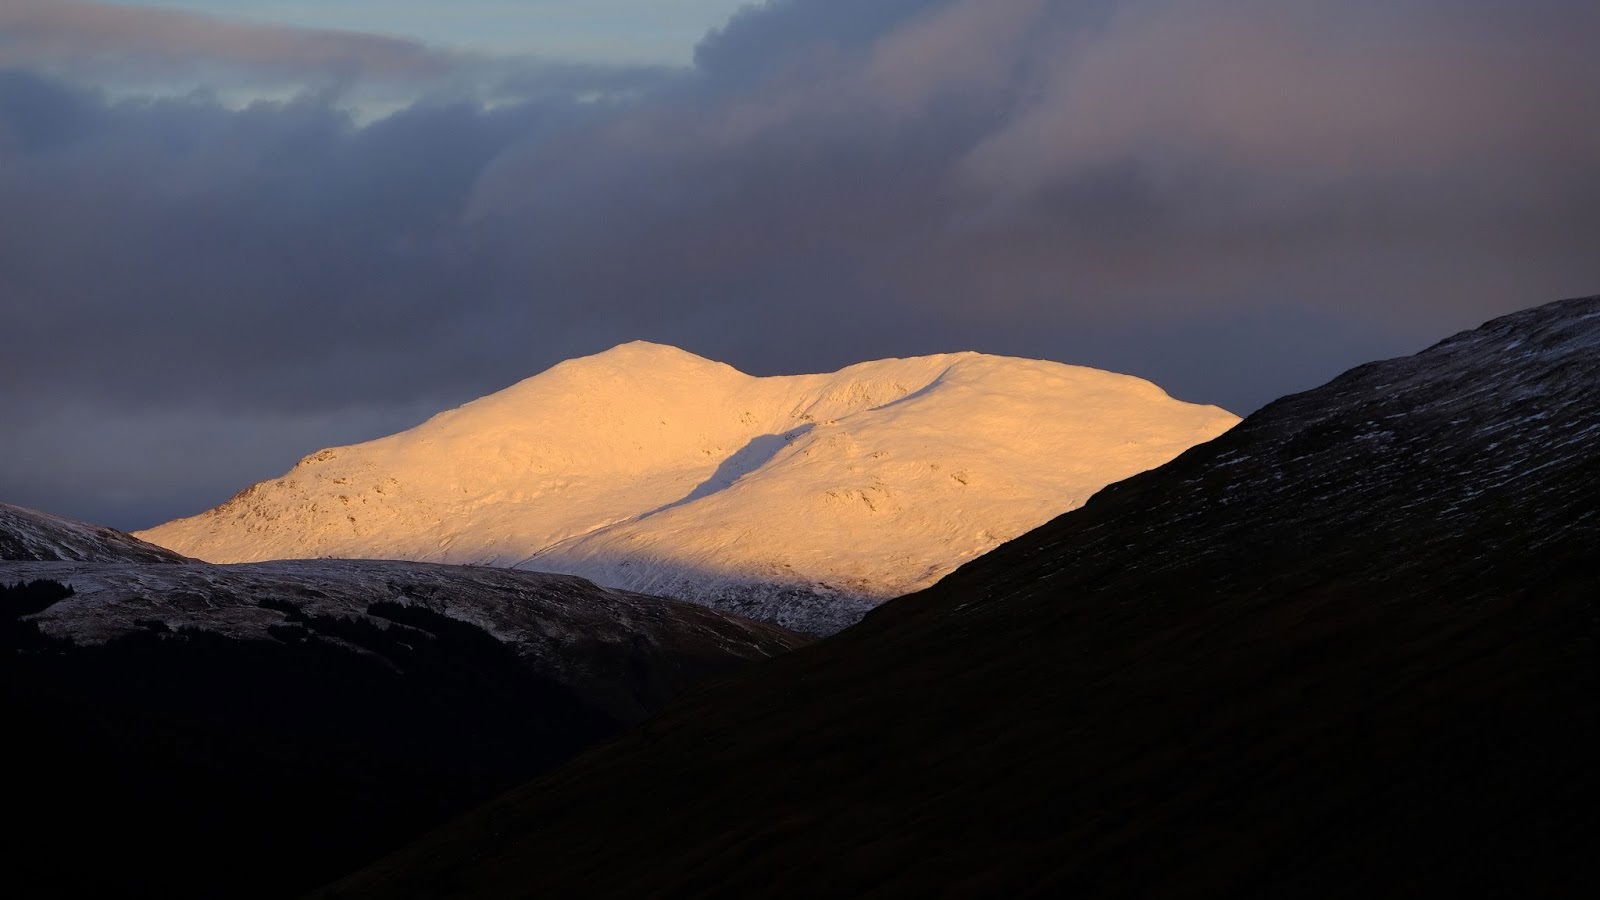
[1347, 649]
[187, 730]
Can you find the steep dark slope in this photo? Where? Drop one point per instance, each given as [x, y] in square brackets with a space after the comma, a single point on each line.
[252, 731]
[27, 534]
[1348, 648]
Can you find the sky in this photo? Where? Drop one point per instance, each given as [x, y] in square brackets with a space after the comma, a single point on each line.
[662, 32]
[232, 233]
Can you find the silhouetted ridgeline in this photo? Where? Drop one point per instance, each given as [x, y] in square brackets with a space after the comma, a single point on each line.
[1349, 648]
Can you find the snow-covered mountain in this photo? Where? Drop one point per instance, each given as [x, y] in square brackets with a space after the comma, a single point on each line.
[30, 535]
[803, 500]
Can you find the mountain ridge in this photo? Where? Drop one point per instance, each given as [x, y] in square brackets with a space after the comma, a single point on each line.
[1349, 647]
[34, 536]
[802, 500]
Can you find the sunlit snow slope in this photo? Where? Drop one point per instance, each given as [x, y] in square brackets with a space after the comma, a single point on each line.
[803, 500]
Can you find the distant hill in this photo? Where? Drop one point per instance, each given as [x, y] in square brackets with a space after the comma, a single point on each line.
[26, 534]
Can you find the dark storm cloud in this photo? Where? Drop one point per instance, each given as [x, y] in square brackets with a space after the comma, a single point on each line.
[988, 168]
[1235, 198]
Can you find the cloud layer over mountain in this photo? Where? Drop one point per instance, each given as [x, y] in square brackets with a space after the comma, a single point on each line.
[1233, 198]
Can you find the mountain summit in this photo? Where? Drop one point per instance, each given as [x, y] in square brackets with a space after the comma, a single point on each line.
[803, 500]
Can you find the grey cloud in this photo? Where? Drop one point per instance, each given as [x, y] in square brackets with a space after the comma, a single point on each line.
[1093, 161]
[186, 239]
[762, 37]
[1234, 198]
[1271, 89]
